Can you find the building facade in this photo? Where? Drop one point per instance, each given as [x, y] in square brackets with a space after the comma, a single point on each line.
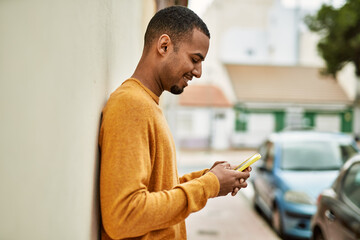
[265, 60]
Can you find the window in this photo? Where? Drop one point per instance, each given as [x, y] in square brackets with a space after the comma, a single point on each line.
[351, 185]
[220, 116]
[314, 155]
[267, 153]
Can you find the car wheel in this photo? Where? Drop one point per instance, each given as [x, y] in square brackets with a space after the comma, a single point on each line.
[318, 235]
[276, 221]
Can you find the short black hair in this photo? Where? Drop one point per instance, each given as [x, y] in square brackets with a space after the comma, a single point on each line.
[176, 21]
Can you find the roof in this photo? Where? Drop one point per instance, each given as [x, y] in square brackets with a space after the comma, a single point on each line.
[294, 84]
[204, 96]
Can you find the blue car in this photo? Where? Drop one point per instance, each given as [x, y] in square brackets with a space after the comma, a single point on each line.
[296, 166]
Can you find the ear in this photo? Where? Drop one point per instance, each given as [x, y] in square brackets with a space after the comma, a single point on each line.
[164, 44]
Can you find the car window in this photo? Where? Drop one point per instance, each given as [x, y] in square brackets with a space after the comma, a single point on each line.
[314, 155]
[263, 150]
[351, 184]
[269, 156]
[347, 151]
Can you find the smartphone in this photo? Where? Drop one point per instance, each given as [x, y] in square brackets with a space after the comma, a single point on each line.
[248, 162]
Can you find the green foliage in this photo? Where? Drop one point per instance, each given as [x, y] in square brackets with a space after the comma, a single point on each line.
[340, 35]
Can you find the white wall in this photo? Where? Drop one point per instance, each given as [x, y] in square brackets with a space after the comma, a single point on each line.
[348, 80]
[328, 122]
[195, 126]
[260, 125]
[240, 45]
[222, 128]
[59, 61]
[282, 35]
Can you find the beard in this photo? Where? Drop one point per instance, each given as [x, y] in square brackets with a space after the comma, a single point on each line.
[175, 89]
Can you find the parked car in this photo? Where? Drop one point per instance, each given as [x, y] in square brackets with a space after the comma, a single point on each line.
[296, 166]
[338, 208]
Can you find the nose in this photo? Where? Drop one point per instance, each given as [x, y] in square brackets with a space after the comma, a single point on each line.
[197, 70]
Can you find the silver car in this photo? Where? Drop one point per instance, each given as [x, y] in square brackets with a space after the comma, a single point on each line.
[338, 212]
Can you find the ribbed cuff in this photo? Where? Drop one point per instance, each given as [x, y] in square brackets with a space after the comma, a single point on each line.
[211, 184]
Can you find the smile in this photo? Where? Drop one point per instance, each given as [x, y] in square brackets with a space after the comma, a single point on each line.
[187, 78]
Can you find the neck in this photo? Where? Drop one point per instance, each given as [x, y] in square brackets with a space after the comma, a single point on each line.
[145, 72]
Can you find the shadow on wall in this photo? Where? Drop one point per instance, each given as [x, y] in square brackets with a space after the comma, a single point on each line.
[96, 212]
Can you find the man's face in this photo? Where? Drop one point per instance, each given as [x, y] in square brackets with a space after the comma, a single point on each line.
[185, 63]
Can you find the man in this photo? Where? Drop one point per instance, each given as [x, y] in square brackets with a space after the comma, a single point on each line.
[141, 195]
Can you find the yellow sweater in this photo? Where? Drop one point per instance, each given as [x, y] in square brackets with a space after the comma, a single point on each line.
[141, 194]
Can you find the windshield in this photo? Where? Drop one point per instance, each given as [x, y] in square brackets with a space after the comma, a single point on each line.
[315, 155]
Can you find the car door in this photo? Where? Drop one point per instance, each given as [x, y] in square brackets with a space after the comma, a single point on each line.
[342, 213]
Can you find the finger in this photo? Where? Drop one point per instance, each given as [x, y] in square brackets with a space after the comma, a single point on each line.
[217, 163]
[241, 183]
[235, 191]
[227, 165]
[244, 185]
[248, 169]
[244, 175]
[233, 166]
[237, 183]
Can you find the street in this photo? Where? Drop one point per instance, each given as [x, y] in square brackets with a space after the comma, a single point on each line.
[223, 218]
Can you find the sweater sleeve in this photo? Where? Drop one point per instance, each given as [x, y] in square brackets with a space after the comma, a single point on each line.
[128, 208]
[193, 175]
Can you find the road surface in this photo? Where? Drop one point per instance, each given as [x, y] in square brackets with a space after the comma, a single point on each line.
[223, 218]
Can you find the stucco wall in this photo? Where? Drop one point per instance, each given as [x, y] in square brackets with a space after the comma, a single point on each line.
[59, 61]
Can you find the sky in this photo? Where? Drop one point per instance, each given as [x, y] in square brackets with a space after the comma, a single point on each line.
[199, 6]
[312, 4]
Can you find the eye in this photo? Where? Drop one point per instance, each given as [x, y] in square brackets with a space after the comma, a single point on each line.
[195, 60]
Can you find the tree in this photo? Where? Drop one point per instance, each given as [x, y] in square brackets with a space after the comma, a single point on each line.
[340, 43]
[340, 35]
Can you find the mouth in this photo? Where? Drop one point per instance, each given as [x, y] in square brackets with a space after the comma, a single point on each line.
[187, 78]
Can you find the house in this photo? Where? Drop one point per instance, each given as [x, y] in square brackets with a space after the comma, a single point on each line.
[205, 118]
[274, 98]
[265, 60]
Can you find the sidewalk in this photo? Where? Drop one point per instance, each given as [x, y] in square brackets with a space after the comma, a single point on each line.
[223, 218]
[228, 218]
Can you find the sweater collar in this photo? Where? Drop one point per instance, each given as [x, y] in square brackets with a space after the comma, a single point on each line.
[153, 95]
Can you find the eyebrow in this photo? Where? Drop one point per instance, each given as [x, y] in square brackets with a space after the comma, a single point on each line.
[200, 56]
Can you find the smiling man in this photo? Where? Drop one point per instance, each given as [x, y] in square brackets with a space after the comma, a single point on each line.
[141, 194]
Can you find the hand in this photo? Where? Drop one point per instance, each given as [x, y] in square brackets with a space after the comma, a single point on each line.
[218, 162]
[235, 191]
[229, 179]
